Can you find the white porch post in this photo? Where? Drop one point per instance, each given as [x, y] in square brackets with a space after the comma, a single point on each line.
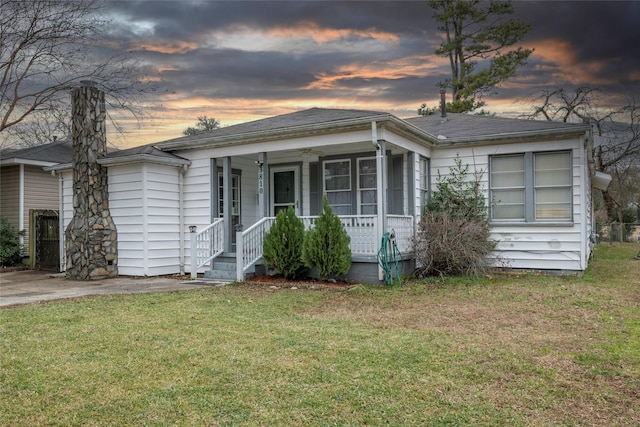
[239, 257]
[194, 252]
[263, 186]
[227, 191]
[381, 166]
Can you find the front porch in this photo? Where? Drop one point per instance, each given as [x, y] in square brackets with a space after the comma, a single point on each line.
[364, 230]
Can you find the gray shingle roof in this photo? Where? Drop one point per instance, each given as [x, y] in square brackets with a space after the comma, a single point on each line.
[458, 126]
[54, 152]
[285, 121]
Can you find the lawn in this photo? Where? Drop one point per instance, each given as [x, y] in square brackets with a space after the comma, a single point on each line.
[504, 350]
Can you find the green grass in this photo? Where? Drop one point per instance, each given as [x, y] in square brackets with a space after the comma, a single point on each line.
[503, 350]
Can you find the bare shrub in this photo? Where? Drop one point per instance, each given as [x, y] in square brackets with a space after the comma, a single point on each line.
[449, 246]
[453, 235]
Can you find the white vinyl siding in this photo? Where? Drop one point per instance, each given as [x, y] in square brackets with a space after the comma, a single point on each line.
[143, 201]
[539, 244]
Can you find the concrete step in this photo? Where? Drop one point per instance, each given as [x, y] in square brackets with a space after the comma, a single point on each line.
[226, 275]
[224, 267]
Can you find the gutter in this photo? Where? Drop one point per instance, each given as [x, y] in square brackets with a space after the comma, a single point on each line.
[548, 133]
[19, 161]
[143, 158]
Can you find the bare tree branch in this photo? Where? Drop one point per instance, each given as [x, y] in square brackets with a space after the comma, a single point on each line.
[617, 134]
[49, 46]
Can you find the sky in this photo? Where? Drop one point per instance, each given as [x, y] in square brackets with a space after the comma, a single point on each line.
[238, 61]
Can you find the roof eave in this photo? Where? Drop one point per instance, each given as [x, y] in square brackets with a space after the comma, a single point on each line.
[514, 136]
[19, 161]
[259, 136]
[143, 158]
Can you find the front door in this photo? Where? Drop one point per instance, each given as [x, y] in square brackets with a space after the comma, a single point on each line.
[235, 202]
[285, 188]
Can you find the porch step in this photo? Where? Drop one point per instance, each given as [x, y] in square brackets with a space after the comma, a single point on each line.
[224, 268]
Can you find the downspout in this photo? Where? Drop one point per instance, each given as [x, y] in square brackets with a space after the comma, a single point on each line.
[381, 194]
[63, 255]
[21, 205]
[181, 173]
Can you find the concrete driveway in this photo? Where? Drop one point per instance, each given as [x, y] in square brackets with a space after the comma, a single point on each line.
[29, 286]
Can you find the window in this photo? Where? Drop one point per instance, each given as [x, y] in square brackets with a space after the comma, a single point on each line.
[423, 185]
[552, 182]
[337, 185]
[531, 187]
[367, 181]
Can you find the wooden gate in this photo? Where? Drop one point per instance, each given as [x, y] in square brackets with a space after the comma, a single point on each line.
[47, 240]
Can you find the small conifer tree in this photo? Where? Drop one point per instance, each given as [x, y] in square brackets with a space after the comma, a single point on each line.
[282, 245]
[326, 245]
[10, 247]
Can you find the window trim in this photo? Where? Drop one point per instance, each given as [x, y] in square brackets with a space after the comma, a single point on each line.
[529, 192]
[424, 193]
[349, 175]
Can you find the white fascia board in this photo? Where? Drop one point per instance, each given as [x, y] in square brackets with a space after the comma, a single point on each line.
[143, 158]
[18, 161]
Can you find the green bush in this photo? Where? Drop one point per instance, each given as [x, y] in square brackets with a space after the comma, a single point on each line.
[282, 246]
[10, 247]
[326, 245]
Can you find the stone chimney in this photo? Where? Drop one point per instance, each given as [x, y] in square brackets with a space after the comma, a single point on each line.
[91, 236]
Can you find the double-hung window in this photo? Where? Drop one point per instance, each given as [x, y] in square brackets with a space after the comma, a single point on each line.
[337, 185]
[367, 193]
[423, 184]
[531, 187]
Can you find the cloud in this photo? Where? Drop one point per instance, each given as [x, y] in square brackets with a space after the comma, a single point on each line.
[241, 60]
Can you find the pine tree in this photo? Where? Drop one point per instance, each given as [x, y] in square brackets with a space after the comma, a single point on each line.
[326, 245]
[282, 246]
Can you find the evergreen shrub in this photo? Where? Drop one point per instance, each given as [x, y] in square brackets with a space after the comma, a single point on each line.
[326, 245]
[282, 245]
[10, 247]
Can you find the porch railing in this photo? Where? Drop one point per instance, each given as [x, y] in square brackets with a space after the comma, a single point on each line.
[249, 245]
[363, 231]
[360, 228]
[206, 245]
[402, 225]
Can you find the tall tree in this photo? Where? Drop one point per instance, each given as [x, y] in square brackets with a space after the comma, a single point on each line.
[478, 32]
[203, 124]
[49, 46]
[617, 133]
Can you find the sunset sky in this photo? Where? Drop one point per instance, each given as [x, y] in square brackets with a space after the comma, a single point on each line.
[239, 60]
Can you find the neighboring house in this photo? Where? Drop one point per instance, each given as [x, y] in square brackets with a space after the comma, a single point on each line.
[226, 185]
[29, 198]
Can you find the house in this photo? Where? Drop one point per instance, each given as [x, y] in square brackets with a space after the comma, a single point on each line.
[201, 203]
[29, 198]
